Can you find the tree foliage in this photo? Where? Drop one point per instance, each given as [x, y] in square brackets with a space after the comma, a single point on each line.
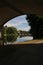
[10, 33]
[36, 24]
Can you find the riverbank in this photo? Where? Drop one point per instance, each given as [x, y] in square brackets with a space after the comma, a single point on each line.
[38, 41]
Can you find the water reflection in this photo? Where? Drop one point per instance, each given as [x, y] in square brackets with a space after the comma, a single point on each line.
[22, 39]
[11, 39]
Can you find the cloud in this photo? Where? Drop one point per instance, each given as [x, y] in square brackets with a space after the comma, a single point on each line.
[14, 23]
[25, 29]
[19, 22]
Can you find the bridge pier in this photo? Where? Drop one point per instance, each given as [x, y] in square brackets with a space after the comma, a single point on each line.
[1, 36]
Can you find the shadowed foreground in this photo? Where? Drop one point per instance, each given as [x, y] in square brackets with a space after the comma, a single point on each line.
[29, 54]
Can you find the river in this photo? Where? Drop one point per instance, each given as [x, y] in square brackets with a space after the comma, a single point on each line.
[20, 39]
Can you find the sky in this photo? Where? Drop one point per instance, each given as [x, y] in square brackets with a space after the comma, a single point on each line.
[19, 22]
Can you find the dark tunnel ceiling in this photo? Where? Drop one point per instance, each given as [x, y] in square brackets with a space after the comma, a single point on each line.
[13, 8]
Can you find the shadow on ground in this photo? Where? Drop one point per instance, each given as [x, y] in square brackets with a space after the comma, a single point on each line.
[29, 54]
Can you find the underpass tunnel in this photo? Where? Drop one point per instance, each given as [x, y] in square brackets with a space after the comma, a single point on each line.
[36, 23]
[13, 8]
[27, 53]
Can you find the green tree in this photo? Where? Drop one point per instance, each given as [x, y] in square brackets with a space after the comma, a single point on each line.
[11, 33]
[36, 23]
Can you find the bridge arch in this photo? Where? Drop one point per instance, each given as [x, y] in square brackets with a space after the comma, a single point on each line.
[12, 8]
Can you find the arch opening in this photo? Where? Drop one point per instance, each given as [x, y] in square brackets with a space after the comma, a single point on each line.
[25, 25]
[22, 26]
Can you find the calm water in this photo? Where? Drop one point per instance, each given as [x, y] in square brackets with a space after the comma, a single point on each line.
[24, 39]
[21, 39]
